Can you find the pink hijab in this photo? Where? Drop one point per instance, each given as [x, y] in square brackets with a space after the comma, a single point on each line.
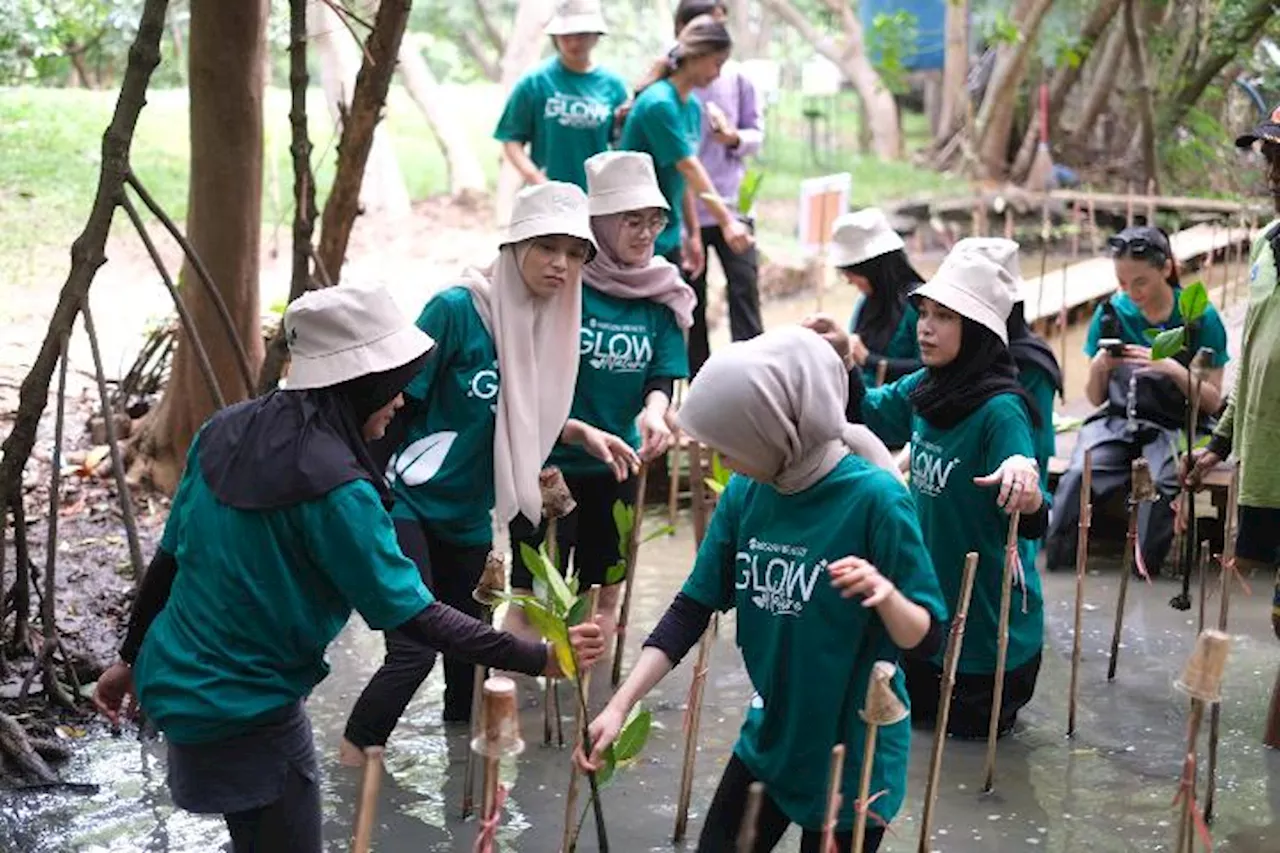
[658, 280]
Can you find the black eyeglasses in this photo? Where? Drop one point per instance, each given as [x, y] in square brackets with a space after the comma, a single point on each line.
[1137, 246]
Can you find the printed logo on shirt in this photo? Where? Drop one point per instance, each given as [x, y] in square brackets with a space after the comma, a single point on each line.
[616, 348]
[777, 574]
[577, 112]
[484, 386]
[930, 469]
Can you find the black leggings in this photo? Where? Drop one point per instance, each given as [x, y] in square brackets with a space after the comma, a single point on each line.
[450, 571]
[290, 823]
[589, 532]
[724, 819]
[971, 698]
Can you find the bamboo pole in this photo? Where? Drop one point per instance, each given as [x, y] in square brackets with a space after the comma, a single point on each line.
[882, 707]
[1082, 563]
[750, 818]
[1002, 651]
[499, 738]
[696, 691]
[633, 552]
[1186, 818]
[955, 639]
[579, 725]
[1202, 680]
[864, 790]
[370, 782]
[833, 797]
[1224, 606]
[473, 760]
[551, 723]
[1141, 489]
[1203, 571]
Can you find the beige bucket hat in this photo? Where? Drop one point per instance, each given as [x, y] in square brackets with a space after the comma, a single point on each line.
[619, 181]
[973, 286]
[550, 208]
[861, 236]
[573, 17]
[1000, 251]
[344, 332]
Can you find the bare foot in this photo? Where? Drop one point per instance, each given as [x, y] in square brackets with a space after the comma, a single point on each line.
[350, 755]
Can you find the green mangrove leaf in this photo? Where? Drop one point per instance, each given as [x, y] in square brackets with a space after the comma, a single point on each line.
[616, 573]
[1193, 302]
[1168, 343]
[578, 612]
[634, 734]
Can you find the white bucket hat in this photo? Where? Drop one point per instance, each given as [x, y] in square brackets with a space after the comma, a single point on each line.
[573, 17]
[344, 332]
[550, 208]
[861, 236]
[973, 286]
[1000, 251]
[619, 181]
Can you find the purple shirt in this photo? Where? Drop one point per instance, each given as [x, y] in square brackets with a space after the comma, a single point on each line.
[734, 93]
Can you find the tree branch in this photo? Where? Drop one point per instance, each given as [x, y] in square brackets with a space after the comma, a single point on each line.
[491, 31]
[490, 67]
[1146, 107]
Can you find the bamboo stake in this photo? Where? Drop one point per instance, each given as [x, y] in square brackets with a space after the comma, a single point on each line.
[579, 724]
[1082, 562]
[1204, 583]
[1224, 606]
[1141, 490]
[698, 499]
[696, 690]
[550, 691]
[882, 707]
[1186, 819]
[370, 782]
[950, 661]
[473, 760]
[1202, 681]
[750, 818]
[833, 796]
[864, 790]
[633, 551]
[1002, 651]
[673, 483]
[499, 738]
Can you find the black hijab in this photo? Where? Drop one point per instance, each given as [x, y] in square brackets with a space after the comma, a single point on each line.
[981, 370]
[292, 446]
[1029, 350]
[892, 280]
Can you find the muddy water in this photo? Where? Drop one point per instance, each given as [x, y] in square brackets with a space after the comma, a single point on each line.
[1108, 789]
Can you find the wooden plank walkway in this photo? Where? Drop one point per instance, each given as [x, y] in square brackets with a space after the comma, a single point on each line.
[1093, 279]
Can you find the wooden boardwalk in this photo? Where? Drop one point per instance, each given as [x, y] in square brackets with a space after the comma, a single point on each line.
[1088, 281]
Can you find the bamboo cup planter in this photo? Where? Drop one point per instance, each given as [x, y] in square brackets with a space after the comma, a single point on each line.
[882, 708]
[1202, 681]
[499, 738]
[492, 583]
[1142, 490]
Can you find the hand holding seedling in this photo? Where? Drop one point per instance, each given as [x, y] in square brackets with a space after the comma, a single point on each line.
[855, 576]
[587, 640]
[603, 731]
[1019, 480]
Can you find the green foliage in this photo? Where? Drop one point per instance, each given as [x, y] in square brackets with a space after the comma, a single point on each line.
[39, 38]
[1168, 343]
[891, 43]
[1002, 29]
[623, 751]
[749, 189]
[1192, 304]
[719, 475]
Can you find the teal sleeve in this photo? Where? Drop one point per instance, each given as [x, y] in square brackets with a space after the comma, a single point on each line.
[351, 537]
[711, 583]
[887, 410]
[663, 128]
[1094, 334]
[1006, 431]
[670, 357]
[898, 549]
[436, 320]
[1214, 335]
[517, 121]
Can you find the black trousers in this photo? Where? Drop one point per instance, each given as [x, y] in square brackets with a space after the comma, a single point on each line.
[290, 823]
[971, 698]
[450, 571]
[724, 819]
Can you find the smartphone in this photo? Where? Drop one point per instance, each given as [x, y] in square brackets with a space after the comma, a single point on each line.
[1113, 346]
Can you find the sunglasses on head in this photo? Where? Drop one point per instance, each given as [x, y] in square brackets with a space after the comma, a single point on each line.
[1137, 246]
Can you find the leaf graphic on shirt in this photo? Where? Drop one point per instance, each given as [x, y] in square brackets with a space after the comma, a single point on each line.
[421, 460]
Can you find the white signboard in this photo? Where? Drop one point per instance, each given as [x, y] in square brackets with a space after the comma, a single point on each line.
[821, 201]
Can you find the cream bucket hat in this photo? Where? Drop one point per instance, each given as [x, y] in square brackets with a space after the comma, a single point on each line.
[340, 333]
[550, 208]
[573, 17]
[973, 286]
[861, 236]
[1000, 251]
[619, 181]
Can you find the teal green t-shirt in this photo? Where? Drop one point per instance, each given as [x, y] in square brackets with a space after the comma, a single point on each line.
[1134, 326]
[624, 345]
[565, 117]
[442, 475]
[958, 516]
[258, 597]
[669, 130]
[808, 651]
[903, 344]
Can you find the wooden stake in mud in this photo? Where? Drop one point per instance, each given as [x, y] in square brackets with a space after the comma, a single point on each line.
[633, 551]
[833, 797]
[499, 739]
[579, 725]
[955, 639]
[1202, 681]
[1082, 563]
[370, 782]
[881, 708]
[1141, 491]
[1002, 651]
[1224, 602]
[748, 830]
[1203, 571]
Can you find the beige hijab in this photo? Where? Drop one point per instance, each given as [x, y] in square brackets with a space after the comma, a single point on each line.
[537, 344]
[778, 402]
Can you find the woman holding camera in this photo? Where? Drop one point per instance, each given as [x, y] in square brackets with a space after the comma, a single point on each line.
[1141, 402]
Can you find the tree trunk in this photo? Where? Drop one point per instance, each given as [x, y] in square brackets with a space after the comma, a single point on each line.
[1064, 80]
[488, 65]
[955, 70]
[224, 223]
[466, 177]
[383, 190]
[1110, 60]
[995, 117]
[524, 46]
[1146, 106]
[491, 32]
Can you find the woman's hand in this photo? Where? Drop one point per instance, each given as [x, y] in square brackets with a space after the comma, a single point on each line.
[834, 334]
[656, 437]
[855, 576]
[610, 449]
[693, 255]
[858, 350]
[587, 640]
[1102, 363]
[737, 235]
[602, 732]
[1203, 461]
[1019, 480]
[114, 693]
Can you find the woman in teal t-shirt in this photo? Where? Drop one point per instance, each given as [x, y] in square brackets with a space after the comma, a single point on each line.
[803, 528]
[631, 353]
[871, 256]
[665, 122]
[482, 417]
[970, 426]
[565, 109]
[1140, 401]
